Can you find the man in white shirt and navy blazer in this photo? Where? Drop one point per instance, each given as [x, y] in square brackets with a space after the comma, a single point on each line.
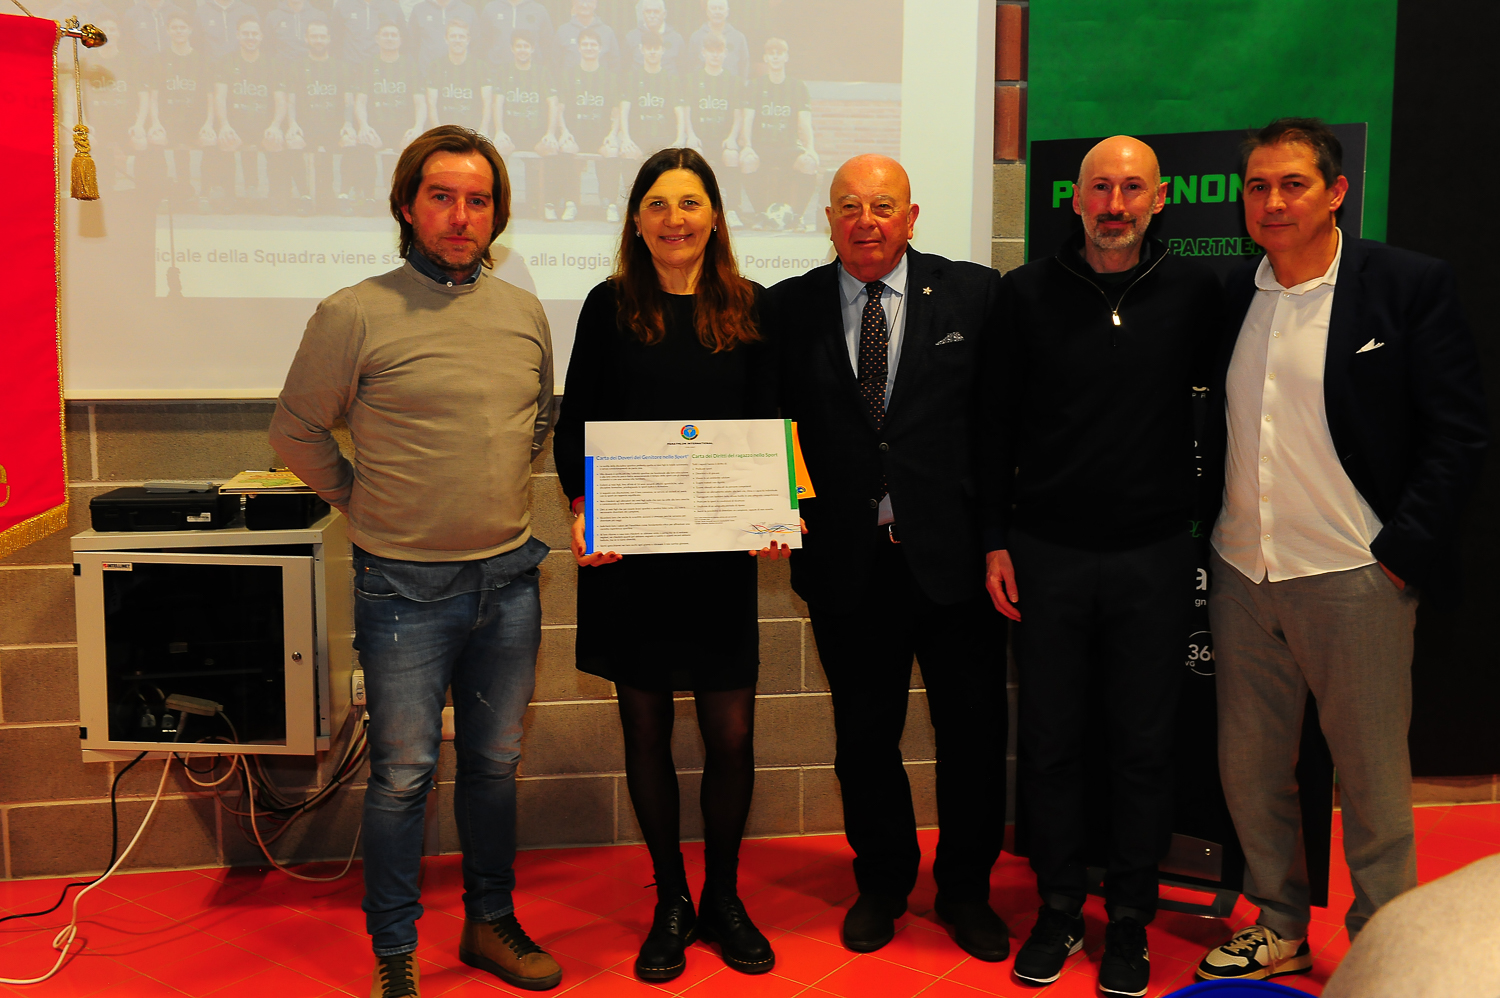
[1354, 429]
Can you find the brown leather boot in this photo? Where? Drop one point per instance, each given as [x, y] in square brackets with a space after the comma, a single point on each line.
[396, 977]
[504, 949]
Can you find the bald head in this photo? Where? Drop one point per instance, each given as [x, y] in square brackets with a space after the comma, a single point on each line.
[1120, 155]
[1119, 189]
[870, 215]
[867, 169]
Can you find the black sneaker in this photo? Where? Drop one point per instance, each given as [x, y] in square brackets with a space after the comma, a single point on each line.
[1056, 936]
[1126, 967]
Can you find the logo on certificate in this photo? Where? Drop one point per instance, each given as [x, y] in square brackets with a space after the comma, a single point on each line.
[690, 432]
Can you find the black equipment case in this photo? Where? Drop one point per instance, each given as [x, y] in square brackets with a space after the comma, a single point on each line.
[283, 510]
[135, 509]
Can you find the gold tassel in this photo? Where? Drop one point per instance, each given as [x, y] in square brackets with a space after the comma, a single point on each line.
[85, 179]
[85, 186]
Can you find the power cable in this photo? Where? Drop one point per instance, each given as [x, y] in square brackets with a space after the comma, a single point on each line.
[65, 936]
[114, 845]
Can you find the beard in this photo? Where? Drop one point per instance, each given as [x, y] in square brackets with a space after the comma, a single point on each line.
[451, 257]
[1119, 241]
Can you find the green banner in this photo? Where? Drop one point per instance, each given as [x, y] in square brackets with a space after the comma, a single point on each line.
[1203, 65]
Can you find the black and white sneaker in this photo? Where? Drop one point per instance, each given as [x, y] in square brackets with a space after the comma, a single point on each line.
[1056, 936]
[1254, 954]
[1126, 967]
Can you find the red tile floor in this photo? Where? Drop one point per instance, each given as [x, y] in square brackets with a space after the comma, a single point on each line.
[243, 932]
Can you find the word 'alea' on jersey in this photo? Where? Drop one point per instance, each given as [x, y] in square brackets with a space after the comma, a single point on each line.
[776, 107]
[111, 98]
[654, 99]
[318, 88]
[389, 88]
[525, 94]
[460, 89]
[585, 97]
[184, 86]
[712, 102]
[251, 85]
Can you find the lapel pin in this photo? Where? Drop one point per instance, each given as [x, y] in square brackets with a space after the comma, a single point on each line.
[927, 291]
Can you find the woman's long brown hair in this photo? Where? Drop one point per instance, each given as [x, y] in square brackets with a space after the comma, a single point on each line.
[725, 312]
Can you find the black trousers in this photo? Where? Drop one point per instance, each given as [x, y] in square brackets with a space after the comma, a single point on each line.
[1107, 628]
[867, 655]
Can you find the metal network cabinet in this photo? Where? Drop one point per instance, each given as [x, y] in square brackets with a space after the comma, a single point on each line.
[258, 621]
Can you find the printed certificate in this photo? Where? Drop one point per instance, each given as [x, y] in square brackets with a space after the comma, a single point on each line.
[716, 485]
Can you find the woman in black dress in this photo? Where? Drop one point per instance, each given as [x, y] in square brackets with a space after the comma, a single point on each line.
[673, 335]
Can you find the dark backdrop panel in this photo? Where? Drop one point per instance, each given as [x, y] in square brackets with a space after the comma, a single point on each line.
[1204, 216]
[1444, 58]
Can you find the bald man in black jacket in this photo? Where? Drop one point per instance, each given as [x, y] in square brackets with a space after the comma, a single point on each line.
[1093, 434]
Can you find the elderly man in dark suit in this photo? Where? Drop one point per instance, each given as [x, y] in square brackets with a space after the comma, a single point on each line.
[1354, 428]
[881, 362]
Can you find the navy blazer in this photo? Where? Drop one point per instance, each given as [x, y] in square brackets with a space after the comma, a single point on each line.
[927, 448]
[1407, 416]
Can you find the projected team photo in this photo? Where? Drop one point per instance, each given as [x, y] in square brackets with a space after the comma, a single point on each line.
[259, 139]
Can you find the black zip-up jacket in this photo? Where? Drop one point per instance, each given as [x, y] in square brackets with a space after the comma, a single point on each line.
[1090, 401]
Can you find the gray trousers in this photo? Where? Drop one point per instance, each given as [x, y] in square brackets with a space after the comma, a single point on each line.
[1347, 636]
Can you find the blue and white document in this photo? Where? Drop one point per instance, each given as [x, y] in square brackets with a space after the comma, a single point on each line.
[673, 487]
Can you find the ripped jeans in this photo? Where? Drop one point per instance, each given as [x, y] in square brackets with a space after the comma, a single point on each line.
[483, 643]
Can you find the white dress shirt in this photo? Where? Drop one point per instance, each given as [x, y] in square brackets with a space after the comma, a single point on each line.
[1289, 508]
[852, 296]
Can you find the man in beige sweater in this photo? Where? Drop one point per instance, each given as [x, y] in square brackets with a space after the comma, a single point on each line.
[444, 375]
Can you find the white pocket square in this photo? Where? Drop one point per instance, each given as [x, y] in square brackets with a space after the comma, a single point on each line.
[1372, 345]
[954, 337]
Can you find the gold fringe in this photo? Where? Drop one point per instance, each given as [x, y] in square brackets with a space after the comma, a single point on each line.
[62, 404]
[85, 186]
[31, 530]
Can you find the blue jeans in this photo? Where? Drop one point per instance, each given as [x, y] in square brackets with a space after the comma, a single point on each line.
[482, 643]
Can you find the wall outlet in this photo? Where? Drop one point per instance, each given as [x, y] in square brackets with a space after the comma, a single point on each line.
[357, 688]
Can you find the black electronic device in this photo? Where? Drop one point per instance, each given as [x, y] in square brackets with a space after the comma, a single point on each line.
[136, 509]
[283, 510]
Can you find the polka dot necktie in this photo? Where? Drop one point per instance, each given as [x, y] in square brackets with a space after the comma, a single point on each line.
[874, 346]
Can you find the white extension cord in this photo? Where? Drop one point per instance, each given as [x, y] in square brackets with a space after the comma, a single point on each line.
[64, 938]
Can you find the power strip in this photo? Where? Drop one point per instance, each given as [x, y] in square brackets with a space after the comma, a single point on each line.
[357, 688]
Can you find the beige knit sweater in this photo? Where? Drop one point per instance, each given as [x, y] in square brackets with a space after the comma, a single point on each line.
[447, 391]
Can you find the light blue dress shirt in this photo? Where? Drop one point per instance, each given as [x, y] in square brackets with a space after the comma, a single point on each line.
[852, 296]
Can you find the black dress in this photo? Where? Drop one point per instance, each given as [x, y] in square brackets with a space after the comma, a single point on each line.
[663, 622]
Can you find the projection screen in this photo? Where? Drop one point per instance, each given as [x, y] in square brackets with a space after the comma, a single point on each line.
[194, 274]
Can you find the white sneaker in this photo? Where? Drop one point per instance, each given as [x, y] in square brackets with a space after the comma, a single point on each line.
[612, 214]
[1254, 954]
[733, 218]
[570, 211]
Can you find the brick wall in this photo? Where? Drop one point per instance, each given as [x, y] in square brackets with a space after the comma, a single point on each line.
[54, 808]
[842, 129]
